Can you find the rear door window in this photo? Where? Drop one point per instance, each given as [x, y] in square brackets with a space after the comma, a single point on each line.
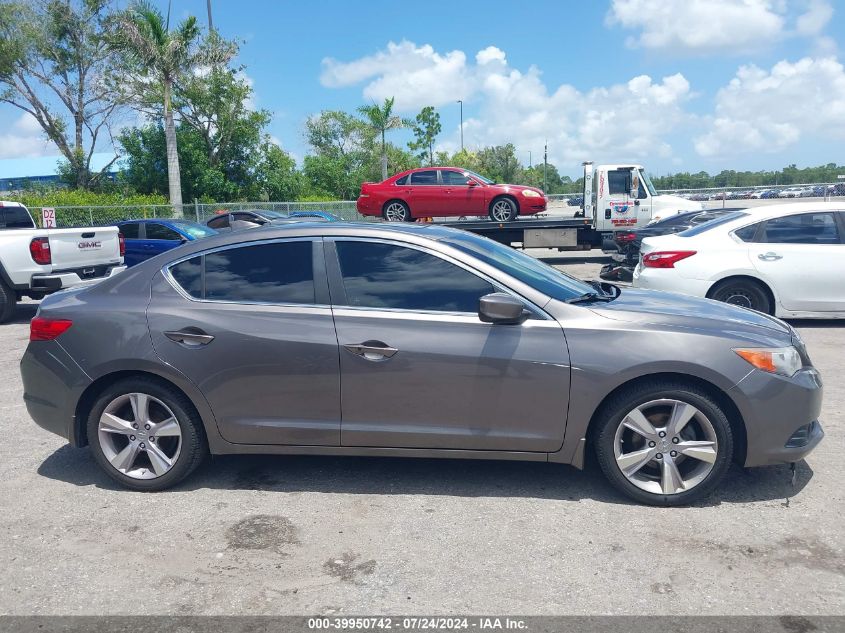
[426, 177]
[220, 222]
[15, 218]
[160, 232]
[389, 276]
[803, 228]
[130, 231]
[280, 272]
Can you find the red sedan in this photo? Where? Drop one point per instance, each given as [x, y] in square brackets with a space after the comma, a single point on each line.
[446, 191]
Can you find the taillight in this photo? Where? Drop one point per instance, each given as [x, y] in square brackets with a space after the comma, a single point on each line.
[665, 259]
[122, 242]
[39, 248]
[625, 237]
[45, 329]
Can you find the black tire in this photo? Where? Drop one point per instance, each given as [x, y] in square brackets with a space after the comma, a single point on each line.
[396, 211]
[503, 209]
[612, 414]
[194, 446]
[8, 300]
[745, 293]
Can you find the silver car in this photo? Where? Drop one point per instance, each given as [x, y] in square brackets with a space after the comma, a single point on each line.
[416, 341]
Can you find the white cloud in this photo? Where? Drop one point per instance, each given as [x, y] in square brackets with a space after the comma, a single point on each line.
[620, 122]
[767, 111]
[25, 139]
[717, 26]
[815, 19]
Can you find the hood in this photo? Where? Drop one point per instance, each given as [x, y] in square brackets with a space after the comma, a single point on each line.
[692, 313]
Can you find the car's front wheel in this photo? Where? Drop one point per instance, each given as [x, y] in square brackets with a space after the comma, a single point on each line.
[145, 434]
[503, 210]
[663, 443]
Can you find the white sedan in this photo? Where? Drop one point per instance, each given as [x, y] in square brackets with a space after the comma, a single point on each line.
[782, 259]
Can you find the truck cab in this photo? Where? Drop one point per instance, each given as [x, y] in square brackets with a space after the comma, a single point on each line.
[621, 196]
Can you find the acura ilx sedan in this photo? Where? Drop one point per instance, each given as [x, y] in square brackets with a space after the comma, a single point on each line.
[415, 341]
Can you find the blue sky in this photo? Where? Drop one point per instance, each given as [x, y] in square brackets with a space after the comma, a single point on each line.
[675, 84]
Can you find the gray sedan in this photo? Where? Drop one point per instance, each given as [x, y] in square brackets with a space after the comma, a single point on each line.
[416, 341]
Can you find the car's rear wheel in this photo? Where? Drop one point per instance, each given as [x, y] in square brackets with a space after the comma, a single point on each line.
[664, 443]
[8, 299]
[396, 211]
[503, 210]
[744, 293]
[145, 434]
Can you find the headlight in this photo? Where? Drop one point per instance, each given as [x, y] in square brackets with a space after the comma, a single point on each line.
[529, 193]
[775, 360]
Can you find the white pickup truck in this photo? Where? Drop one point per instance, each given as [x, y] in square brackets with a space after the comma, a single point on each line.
[35, 262]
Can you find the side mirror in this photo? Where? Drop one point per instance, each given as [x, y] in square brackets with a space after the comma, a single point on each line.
[501, 308]
[472, 183]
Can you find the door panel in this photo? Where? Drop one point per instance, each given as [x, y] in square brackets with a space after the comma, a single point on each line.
[453, 383]
[270, 372]
[459, 198]
[804, 275]
[424, 194]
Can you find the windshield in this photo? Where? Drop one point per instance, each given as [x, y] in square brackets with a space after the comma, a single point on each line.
[542, 277]
[647, 181]
[480, 178]
[706, 226]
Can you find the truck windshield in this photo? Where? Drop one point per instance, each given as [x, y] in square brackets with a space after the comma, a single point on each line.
[542, 277]
[647, 181]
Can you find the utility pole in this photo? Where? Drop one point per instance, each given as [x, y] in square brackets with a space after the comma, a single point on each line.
[545, 163]
[462, 122]
[529, 159]
[210, 23]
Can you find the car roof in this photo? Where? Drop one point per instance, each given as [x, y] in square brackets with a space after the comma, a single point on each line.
[790, 208]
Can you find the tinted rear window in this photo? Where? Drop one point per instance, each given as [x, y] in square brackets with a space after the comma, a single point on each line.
[15, 218]
[701, 228]
[129, 231]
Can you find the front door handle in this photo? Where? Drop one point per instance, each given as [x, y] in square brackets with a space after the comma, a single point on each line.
[190, 338]
[372, 350]
[769, 257]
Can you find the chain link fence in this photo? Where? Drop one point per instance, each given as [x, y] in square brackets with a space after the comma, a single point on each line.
[345, 209]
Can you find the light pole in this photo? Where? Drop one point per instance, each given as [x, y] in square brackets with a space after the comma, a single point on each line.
[462, 124]
[529, 159]
[210, 23]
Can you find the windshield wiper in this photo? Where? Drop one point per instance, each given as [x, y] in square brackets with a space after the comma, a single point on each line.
[590, 296]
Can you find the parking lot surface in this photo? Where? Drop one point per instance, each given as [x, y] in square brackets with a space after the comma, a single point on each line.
[324, 535]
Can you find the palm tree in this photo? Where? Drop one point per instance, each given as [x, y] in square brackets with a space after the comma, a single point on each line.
[155, 52]
[381, 119]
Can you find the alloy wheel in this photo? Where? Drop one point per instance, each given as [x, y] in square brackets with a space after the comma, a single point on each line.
[139, 436]
[501, 211]
[395, 212]
[665, 446]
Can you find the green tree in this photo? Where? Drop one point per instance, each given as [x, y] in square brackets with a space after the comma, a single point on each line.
[343, 152]
[154, 59]
[499, 163]
[381, 119]
[53, 58]
[426, 129]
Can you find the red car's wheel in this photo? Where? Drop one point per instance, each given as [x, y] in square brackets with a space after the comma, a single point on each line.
[396, 211]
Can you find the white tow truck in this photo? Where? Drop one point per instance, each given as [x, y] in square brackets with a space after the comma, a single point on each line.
[35, 262]
[616, 197]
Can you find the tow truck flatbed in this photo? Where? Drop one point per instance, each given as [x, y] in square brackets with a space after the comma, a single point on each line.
[571, 234]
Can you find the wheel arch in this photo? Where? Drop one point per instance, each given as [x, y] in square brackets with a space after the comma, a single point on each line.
[731, 410]
[405, 202]
[499, 196]
[773, 298]
[95, 389]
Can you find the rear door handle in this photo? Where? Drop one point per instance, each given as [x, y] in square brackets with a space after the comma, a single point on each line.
[191, 339]
[769, 257]
[372, 350]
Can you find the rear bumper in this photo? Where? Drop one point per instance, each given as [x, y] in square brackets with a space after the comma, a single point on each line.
[668, 279]
[51, 382]
[367, 206]
[56, 281]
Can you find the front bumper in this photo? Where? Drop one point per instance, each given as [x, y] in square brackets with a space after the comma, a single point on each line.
[56, 281]
[774, 409]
